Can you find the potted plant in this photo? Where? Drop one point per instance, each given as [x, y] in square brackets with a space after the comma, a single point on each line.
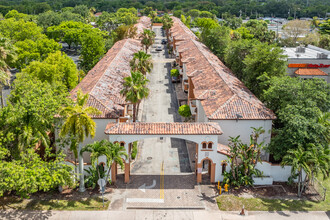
[175, 74]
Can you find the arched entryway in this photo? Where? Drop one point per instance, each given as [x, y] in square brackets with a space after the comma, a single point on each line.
[203, 134]
[205, 171]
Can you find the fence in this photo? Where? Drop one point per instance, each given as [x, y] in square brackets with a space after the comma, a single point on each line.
[318, 188]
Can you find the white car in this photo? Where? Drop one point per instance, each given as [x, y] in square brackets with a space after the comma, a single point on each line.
[159, 48]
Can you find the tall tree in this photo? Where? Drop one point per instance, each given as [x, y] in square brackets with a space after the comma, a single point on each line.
[92, 50]
[325, 27]
[79, 124]
[235, 54]
[57, 68]
[167, 24]
[295, 29]
[262, 63]
[30, 50]
[311, 160]
[217, 39]
[298, 159]
[148, 38]
[299, 105]
[135, 89]
[259, 29]
[29, 116]
[141, 62]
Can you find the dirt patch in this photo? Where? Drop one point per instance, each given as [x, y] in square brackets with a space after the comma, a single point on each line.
[66, 194]
[278, 190]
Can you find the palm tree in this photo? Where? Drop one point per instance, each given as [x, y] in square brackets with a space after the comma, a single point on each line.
[116, 155]
[299, 160]
[320, 160]
[113, 152]
[153, 15]
[167, 23]
[148, 38]
[135, 90]
[7, 58]
[141, 62]
[79, 125]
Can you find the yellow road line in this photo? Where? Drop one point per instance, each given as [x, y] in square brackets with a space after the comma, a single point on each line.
[161, 196]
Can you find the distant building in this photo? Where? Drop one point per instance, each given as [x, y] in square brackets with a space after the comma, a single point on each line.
[308, 62]
[98, 14]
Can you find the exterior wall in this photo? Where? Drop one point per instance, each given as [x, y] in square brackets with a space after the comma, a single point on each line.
[99, 135]
[233, 128]
[326, 78]
[200, 116]
[276, 171]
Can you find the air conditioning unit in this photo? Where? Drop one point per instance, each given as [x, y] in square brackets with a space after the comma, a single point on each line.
[300, 49]
[322, 56]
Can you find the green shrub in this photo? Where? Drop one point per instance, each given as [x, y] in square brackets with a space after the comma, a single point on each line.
[175, 72]
[94, 174]
[184, 111]
[134, 150]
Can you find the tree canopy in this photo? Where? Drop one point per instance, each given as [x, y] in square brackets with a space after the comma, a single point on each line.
[57, 68]
[298, 105]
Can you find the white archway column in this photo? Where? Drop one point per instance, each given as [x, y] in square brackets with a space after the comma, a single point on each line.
[81, 170]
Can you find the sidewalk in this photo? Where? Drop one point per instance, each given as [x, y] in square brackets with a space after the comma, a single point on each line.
[161, 214]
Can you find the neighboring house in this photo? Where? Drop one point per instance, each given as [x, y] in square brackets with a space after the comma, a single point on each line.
[214, 93]
[308, 62]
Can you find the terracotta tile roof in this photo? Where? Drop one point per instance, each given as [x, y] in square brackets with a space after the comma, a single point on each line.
[104, 82]
[222, 95]
[310, 72]
[143, 23]
[223, 149]
[162, 128]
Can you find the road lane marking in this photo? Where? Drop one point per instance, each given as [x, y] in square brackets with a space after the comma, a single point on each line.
[144, 200]
[144, 187]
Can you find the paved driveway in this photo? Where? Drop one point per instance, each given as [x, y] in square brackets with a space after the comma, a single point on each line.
[161, 106]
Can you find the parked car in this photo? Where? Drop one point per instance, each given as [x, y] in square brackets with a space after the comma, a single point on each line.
[164, 41]
[159, 48]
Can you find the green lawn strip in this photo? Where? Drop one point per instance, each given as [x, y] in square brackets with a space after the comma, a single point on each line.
[235, 203]
[57, 204]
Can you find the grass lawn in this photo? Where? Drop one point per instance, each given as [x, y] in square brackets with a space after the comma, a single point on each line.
[34, 204]
[234, 203]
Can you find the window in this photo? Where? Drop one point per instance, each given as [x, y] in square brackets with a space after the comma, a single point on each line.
[209, 146]
[122, 144]
[223, 168]
[204, 145]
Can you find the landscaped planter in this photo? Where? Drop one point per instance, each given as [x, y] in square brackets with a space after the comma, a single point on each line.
[267, 180]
